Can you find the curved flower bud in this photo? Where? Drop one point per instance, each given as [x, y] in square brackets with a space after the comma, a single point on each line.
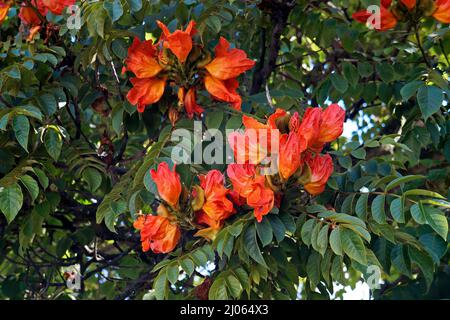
[321, 169]
[190, 103]
[168, 183]
[290, 157]
[29, 16]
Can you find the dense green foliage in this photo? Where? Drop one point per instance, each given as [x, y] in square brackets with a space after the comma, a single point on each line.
[75, 156]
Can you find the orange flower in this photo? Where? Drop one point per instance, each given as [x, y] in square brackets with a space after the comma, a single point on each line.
[159, 233]
[168, 183]
[216, 205]
[190, 103]
[251, 186]
[224, 90]
[179, 42]
[261, 199]
[146, 91]
[213, 228]
[257, 142]
[142, 59]
[321, 169]
[4, 8]
[228, 63]
[319, 127]
[28, 14]
[387, 19]
[57, 6]
[290, 157]
[442, 12]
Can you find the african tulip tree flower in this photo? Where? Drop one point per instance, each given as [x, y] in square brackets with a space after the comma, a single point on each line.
[158, 233]
[228, 63]
[179, 42]
[321, 167]
[29, 16]
[168, 183]
[146, 91]
[292, 146]
[319, 126]
[258, 141]
[251, 186]
[387, 18]
[216, 206]
[222, 71]
[142, 59]
[57, 6]
[442, 12]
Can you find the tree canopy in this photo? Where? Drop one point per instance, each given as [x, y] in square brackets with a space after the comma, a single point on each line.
[122, 123]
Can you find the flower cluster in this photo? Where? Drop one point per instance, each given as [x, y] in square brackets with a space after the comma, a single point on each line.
[209, 203]
[403, 10]
[32, 13]
[186, 66]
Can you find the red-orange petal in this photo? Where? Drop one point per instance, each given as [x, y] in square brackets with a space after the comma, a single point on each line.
[142, 60]
[228, 63]
[224, 90]
[145, 91]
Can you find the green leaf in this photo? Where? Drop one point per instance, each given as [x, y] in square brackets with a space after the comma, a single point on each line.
[335, 241]
[313, 269]
[213, 22]
[365, 69]
[48, 103]
[31, 185]
[353, 246]
[251, 245]
[188, 266]
[114, 9]
[21, 127]
[234, 286]
[214, 119]
[172, 272]
[279, 230]
[410, 89]
[218, 290]
[161, 286]
[11, 200]
[306, 231]
[93, 178]
[437, 220]
[359, 153]
[361, 206]
[402, 180]
[350, 73]
[322, 239]
[42, 177]
[385, 71]
[430, 100]
[400, 259]
[417, 213]
[422, 192]
[397, 211]
[378, 210]
[53, 143]
[339, 82]
[264, 230]
[424, 262]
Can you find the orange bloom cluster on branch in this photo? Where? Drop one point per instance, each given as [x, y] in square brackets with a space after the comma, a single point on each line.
[205, 207]
[403, 10]
[187, 67]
